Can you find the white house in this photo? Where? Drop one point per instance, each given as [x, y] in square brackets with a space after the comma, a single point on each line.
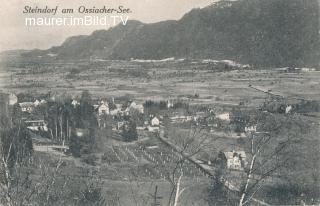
[37, 125]
[181, 119]
[36, 103]
[121, 125]
[75, 103]
[139, 108]
[26, 106]
[250, 128]
[117, 110]
[153, 128]
[155, 121]
[103, 108]
[235, 160]
[224, 117]
[288, 109]
[132, 107]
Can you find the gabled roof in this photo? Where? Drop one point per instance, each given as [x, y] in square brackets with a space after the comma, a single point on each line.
[155, 117]
[230, 155]
[26, 104]
[104, 105]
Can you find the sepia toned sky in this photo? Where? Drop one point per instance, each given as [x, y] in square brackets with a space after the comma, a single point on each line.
[15, 35]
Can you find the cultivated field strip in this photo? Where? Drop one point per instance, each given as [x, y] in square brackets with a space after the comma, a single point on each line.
[157, 162]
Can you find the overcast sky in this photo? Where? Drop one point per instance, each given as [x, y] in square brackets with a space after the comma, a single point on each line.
[15, 35]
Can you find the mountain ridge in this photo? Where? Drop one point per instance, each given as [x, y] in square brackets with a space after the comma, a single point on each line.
[264, 33]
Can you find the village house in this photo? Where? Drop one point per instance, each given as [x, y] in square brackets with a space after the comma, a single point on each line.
[224, 117]
[134, 107]
[155, 121]
[249, 129]
[181, 119]
[234, 160]
[308, 69]
[26, 106]
[103, 108]
[153, 124]
[37, 125]
[36, 103]
[117, 110]
[288, 109]
[121, 125]
[75, 103]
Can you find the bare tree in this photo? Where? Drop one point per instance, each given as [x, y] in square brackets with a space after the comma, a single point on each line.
[269, 152]
[185, 146]
[27, 179]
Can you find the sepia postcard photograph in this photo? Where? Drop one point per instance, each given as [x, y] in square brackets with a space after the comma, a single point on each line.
[160, 103]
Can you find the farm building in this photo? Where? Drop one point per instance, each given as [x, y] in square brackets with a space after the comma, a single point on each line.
[250, 128]
[153, 124]
[75, 103]
[121, 125]
[288, 109]
[116, 111]
[235, 160]
[153, 128]
[37, 125]
[134, 107]
[36, 103]
[26, 106]
[181, 119]
[103, 108]
[155, 121]
[224, 117]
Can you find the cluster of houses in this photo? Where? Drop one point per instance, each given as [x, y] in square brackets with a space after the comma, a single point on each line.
[29, 106]
[234, 160]
[118, 115]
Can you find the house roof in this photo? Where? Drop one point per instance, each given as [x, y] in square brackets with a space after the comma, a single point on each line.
[26, 104]
[230, 155]
[154, 118]
[104, 105]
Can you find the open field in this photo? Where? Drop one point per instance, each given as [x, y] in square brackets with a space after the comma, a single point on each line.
[131, 170]
[161, 80]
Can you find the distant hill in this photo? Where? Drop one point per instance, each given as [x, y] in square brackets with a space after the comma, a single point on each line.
[258, 32]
